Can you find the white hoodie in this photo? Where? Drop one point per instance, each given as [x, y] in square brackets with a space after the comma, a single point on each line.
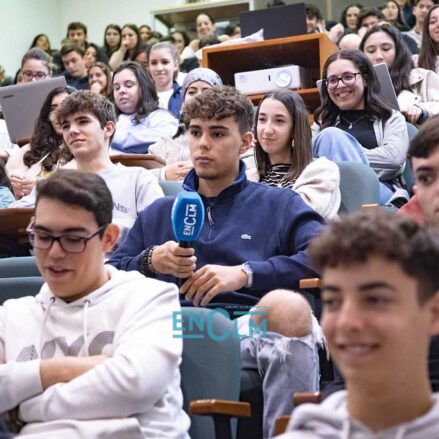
[330, 420]
[133, 394]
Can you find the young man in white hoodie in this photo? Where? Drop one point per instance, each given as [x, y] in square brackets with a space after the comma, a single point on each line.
[380, 307]
[91, 355]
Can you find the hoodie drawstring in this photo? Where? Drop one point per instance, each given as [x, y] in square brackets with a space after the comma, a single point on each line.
[346, 428]
[84, 327]
[46, 314]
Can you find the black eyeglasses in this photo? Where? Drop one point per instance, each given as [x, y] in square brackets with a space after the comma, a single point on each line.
[69, 243]
[347, 78]
[28, 74]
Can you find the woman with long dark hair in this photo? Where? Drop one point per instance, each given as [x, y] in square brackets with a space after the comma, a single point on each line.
[349, 17]
[417, 89]
[429, 53]
[128, 46]
[283, 153]
[353, 124]
[46, 151]
[140, 121]
[112, 39]
[41, 41]
[394, 16]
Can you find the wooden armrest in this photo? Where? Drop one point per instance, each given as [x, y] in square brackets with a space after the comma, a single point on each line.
[220, 407]
[310, 283]
[14, 221]
[281, 425]
[306, 397]
[147, 161]
[366, 208]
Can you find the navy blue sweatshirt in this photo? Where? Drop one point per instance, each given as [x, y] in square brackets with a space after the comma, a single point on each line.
[247, 222]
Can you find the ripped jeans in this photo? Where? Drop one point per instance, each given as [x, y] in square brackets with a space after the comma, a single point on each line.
[339, 146]
[286, 365]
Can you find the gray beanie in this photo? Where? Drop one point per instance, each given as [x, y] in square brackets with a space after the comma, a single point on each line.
[200, 74]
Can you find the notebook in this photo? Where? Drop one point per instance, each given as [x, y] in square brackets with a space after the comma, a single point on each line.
[277, 22]
[21, 105]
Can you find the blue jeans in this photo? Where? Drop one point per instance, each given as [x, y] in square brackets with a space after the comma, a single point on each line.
[339, 146]
[286, 364]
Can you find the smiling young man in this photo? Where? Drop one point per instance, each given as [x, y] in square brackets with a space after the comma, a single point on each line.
[254, 240]
[380, 298]
[79, 359]
[88, 122]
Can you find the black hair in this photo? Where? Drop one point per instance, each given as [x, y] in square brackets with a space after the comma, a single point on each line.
[327, 113]
[345, 13]
[359, 236]
[313, 11]
[403, 64]
[85, 190]
[148, 99]
[108, 50]
[44, 139]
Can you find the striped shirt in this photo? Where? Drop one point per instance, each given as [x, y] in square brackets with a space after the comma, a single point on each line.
[275, 174]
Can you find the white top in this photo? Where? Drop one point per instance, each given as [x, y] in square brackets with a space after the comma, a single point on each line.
[133, 137]
[133, 394]
[331, 420]
[5, 141]
[164, 97]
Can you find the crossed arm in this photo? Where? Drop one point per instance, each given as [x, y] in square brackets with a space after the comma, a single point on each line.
[23, 380]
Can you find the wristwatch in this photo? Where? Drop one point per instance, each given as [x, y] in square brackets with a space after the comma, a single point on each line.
[245, 267]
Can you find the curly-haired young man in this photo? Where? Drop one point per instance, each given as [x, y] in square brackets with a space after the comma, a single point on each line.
[254, 240]
[380, 307]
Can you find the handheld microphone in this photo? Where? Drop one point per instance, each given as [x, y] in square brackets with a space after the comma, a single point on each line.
[187, 218]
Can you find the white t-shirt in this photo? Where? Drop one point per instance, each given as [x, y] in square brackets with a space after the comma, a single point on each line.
[164, 97]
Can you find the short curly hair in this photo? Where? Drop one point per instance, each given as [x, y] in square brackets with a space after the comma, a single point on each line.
[219, 103]
[357, 237]
[85, 101]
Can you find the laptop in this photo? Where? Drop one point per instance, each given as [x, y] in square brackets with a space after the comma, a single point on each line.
[277, 22]
[387, 91]
[21, 105]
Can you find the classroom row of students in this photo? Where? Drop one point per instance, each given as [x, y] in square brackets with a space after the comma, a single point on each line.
[367, 130]
[380, 302]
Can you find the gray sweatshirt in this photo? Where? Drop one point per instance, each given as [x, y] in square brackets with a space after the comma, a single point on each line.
[132, 189]
[330, 420]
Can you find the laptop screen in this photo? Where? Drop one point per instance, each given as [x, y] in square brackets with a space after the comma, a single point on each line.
[277, 22]
[21, 105]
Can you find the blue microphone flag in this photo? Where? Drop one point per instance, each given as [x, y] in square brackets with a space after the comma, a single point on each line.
[187, 216]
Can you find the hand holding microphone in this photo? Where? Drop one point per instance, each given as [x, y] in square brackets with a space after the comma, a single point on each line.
[187, 218]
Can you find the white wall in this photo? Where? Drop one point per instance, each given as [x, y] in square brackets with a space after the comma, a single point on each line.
[96, 14]
[20, 21]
